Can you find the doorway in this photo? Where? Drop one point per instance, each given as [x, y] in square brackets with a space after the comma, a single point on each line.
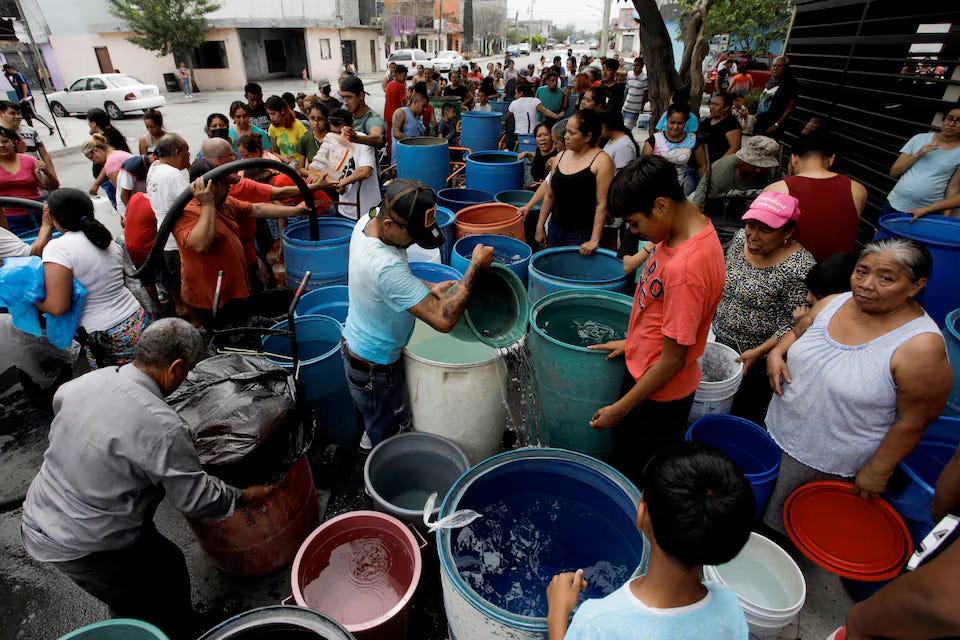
[276, 58]
[373, 56]
[103, 59]
[348, 50]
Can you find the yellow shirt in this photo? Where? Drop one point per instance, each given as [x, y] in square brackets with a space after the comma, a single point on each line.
[287, 137]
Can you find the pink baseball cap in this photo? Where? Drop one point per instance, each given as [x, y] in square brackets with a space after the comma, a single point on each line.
[773, 209]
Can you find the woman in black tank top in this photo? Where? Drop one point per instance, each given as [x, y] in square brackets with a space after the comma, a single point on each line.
[544, 151]
[576, 203]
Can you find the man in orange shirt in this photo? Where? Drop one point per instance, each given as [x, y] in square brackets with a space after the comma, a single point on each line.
[677, 295]
[208, 237]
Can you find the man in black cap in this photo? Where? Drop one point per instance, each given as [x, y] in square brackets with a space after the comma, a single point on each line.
[368, 127]
[385, 299]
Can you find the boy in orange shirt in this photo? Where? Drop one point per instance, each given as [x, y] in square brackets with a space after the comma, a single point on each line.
[677, 294]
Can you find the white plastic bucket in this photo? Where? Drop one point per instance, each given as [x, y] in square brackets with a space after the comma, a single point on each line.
[768, 583]
[721, 380]
[419, 254]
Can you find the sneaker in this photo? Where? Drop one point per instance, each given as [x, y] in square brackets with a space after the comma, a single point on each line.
[366, 446]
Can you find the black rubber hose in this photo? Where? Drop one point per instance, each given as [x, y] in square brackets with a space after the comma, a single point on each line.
[20, 203]
[176, 209]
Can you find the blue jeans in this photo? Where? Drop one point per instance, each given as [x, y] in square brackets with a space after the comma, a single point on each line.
[187, 87]
[559, 237]
[380, 393]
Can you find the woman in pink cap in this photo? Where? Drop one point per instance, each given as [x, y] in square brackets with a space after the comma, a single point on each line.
[858, 379]
[765, 269]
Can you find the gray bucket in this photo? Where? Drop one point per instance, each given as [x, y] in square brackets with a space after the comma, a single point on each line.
[401, 473]
[276, 623]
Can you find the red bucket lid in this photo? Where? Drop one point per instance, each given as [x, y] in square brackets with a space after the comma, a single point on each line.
[845, 534]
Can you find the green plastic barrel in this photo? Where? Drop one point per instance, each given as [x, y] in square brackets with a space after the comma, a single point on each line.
[117, 629]
[574, 381]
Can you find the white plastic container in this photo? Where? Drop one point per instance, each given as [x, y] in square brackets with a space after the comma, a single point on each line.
[416, 253]
[768, 583]
[456, 389]
[721, 380]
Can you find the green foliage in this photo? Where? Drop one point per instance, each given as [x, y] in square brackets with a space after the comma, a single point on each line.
[537, 40]
[164, 26]
[753, 25]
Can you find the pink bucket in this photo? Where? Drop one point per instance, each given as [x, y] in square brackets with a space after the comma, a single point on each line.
[361, 569]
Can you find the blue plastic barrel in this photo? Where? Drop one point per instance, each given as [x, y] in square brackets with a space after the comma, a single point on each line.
[455, 199]
[941, 236]
[327, 259]
[564, 268]
[321, 375]
[749, 446]
[526, 142]
[501, 107]
[445, 220]
[512, 253]
[951, 335]
[434, 272]
[331, 300]
[494, 171]
[424, 158]
[549, 496]
[480, 130]
[117, 629]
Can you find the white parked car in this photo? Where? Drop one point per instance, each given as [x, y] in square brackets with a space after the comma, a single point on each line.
[410, 58]
[115, 93]
[447, 60]
[524, 48]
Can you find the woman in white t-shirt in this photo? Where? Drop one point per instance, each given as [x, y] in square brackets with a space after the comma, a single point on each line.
[86, 251]
[621, 147]
[524, 111]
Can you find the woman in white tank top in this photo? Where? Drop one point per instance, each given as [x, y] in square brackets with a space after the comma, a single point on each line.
[859, 379]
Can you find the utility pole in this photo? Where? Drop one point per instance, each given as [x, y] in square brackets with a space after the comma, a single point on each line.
[440, 46]
[531, 27]
[604, 28]
[43, 68]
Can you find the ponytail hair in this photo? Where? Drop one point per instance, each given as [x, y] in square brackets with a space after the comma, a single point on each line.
[73, 211]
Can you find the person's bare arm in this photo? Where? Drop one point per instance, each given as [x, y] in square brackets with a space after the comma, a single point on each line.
[58, 282]
[204, 233]
[273, 145]
[603, 168]
[859, 193]
[647, 149]
[952, 201]
[443, 313]
[47, 160]
[906, 160]
[376, 137]
[143, 145]
[274, 210]
[733, 137]
[399, 121]
[778, 187]
[537, 198]
[786, 112]
[923, 379]
[45, 177]
[550, 114]
[95, 187]
[700, 160]
[362, 173]
[777, 371]
[545, 209]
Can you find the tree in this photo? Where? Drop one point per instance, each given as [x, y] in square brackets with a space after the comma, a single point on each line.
[753, 25]
[537, 40]
[165, 26]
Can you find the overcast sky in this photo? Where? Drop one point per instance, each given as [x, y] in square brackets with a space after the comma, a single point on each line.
[586, 14]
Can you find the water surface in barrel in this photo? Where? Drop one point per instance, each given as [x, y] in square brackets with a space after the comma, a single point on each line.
[581, 324]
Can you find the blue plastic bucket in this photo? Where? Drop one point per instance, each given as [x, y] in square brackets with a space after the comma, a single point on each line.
[749, 446]
[424, 158]
[445, 220]
[494, 171]
[563, 268]
[455, 199]
[480, 130]
[941, 236]
[498, 310]
[322, 376]
[951, 335]
[434, 273]
[526, 142]
[117, 629]
[510, 252]
[327, 259]
[331, 300]
[555, 497]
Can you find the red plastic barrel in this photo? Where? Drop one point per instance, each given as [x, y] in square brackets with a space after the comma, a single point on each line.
[361, 569]
[261, 538]
[495, 218]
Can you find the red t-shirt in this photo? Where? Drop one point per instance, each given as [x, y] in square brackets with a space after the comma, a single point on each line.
[676, 297]
[139, 228]
[248, 190]
[396, 95]
[198, 271]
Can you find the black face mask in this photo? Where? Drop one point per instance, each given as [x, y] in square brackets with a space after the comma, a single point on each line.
[219, 133]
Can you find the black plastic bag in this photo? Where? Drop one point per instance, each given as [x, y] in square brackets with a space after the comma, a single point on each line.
[245, 421]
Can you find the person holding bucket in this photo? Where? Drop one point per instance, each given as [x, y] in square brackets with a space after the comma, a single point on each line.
[858, 379]
[385, 298]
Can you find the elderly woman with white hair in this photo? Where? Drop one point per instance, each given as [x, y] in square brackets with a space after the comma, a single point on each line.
[859, 379]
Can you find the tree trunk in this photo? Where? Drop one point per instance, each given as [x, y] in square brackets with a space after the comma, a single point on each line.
[468, 26]
[657, 50]
[695, 48]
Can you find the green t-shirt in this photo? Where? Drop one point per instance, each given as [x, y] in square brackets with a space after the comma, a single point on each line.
[552, 100]
[307, 146]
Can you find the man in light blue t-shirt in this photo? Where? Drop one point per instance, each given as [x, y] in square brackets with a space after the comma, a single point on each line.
[386, 298]
[697, 508]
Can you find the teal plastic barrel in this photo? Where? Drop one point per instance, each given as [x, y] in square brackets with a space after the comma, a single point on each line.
[424, 158]
[512, 253]
[951, 335]
[518, 198]
[117, 629]
[574, 381]
[332, 300]
[327, 259]
[445, 220]
[494, 171]
[563, 268]
[480, 130]
[498, 307]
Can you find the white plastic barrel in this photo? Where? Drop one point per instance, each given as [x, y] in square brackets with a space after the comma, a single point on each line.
[721, 380]
[768, 583]
[417, 253]
[456, 389]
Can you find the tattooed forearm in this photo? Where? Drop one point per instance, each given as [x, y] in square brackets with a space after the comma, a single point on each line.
[454, 301]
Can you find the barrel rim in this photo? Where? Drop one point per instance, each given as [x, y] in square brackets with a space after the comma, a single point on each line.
[753, 427]
[308, 318]
[883, 223]
[783, 554]
[558, 250]
[556, 296]
[952, 323]
[520, 298]
[423, 141]
[246, 619]
[443, 536]
[480, 237]
[323, 221]
[442, 194]
[488, 225]
[305, 300]
[510, 163]
[410, 435]
[479, 114]
[114, 622]
[448, 365]
[400, 528]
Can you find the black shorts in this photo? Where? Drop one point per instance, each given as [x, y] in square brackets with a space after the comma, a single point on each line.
[171, 263]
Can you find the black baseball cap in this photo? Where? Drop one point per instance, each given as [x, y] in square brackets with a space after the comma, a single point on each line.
[413, 205]
[352, 84]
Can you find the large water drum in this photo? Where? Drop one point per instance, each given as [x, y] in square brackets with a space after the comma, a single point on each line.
[327, 259]
[425, 159]
[563, 268]
[941, 236]
[480, 130]
[494, 171]
[277, 621]
[455, 199]
[951, 335]
[493, 218]
[512, 253]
